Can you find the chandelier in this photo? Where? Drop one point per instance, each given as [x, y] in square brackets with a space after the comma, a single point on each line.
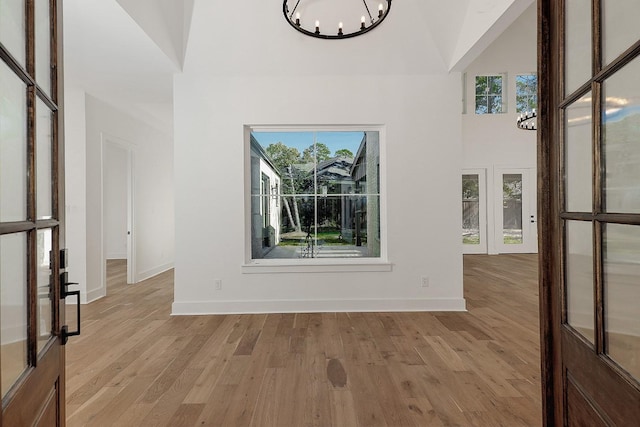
[528, 120]
[351, 25]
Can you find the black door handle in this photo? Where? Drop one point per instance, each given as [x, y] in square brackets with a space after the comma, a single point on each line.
[64, 292]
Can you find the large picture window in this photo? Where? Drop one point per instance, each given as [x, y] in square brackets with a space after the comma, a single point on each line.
[314, 194]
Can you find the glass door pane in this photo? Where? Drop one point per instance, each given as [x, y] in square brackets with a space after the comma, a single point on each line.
[622, 294]
[577, 43]
[579, 277]
[512, 209]
[12, 30]
[621, 133]
[471, 209]
[13, 308]
[620, 27]
[43, 45]
[578, 167]
[514, 216]
[474, 211]
[43, 160]
[13, 145]
[45, 292]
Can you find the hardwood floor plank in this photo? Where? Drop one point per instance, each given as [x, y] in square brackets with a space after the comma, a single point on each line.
[135, 364]
[186, 415]
[171, 400]
[343, 412]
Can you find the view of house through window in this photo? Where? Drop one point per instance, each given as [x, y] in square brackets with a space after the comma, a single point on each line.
[315, 194]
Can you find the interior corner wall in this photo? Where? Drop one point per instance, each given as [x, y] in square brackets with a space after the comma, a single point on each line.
[153, 193]
[75, 136]
[491, 141]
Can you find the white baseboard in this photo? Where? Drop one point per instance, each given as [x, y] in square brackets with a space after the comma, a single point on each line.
[14, 333]
[317, 306]
[92, 295]
[117, 256]
[153, 272]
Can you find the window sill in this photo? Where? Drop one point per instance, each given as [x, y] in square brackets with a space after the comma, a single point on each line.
[315, 267]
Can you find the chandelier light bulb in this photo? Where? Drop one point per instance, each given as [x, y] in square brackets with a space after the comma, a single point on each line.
[317, 27]
[298, 18]
[380, 10]
[362, 21]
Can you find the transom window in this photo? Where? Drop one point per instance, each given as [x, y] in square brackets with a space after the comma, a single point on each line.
[526, 92]
[314, 194]
[490, 94]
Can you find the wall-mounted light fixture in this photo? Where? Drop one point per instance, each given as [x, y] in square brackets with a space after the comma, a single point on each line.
[367, 21]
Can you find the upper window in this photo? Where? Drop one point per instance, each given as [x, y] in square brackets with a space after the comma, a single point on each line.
[490, 94]
[314, 194]
[526, 92]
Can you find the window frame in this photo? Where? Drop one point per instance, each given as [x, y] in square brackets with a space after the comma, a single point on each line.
[503, 94]
[530, 94]
[311, 265]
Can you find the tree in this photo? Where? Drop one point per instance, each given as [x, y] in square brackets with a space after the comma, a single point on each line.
[343, 152]
[320, 151]
[283, 157]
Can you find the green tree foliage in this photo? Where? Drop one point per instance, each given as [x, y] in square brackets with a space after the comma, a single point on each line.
[512, 187]
[319, 150]
[296, 179]
[469, 187]
[283, 157]
[526, 92]
[488, 94]
[344, 153]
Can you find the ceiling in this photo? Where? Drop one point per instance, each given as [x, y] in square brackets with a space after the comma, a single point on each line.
[126, 52]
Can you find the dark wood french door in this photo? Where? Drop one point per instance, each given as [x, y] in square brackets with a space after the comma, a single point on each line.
[31, 214]
[589, 210]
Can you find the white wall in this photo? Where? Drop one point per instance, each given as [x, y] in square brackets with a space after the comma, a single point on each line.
[492, 141]
[153, 189]
[115, 201]
[75, 155]
[260, 79]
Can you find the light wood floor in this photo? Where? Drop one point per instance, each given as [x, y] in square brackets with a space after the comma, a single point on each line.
[136, 365]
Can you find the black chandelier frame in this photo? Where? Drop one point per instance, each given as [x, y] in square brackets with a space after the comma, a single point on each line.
[528, 120]
[364, 28]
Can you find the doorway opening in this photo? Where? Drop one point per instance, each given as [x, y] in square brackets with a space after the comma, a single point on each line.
[118, 212]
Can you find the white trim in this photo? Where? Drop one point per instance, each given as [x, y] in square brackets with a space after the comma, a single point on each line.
[117, 256]
[313, 128]
[95, 294]
[317, 306]
[144, 275]
[316, 265]
[333, 267]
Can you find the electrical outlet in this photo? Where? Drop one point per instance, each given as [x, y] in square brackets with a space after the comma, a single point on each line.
[218, 284]
[425, 282]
